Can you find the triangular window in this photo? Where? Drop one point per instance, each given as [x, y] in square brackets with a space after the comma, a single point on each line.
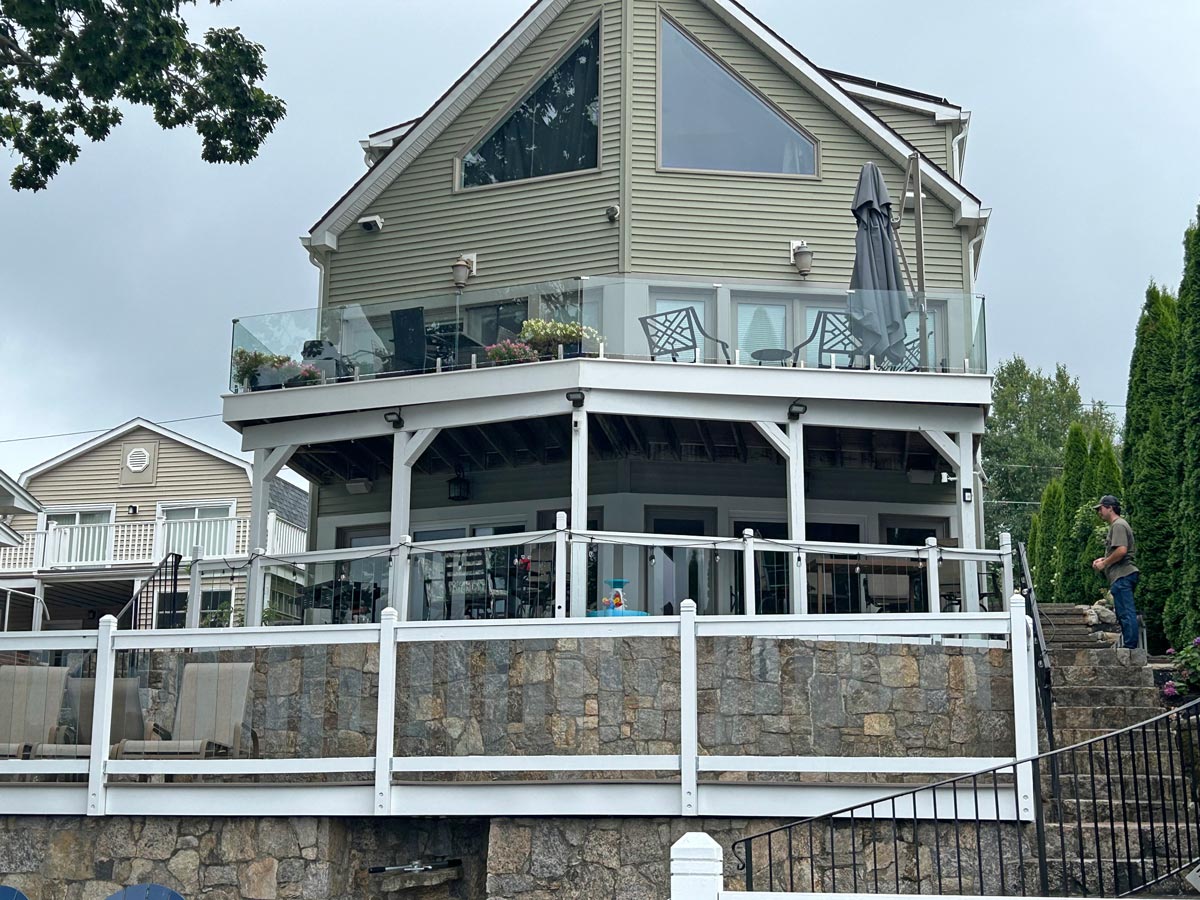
[713, 121]
[555, 129]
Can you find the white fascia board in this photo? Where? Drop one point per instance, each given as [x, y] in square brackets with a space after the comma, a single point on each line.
[9, 538]
[943, 113]
[15, 499]
[121, 431]
[388, 137]
[964, 206]
[346, 212]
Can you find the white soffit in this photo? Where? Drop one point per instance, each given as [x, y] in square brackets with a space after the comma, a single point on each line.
[409, 140]
[14, 498]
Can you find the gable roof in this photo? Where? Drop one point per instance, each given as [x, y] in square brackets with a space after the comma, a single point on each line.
[409, 139]
[121, 431]
[14, 498]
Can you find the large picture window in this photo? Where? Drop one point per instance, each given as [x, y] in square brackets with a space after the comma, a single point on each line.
[713, 121]
[555, 129]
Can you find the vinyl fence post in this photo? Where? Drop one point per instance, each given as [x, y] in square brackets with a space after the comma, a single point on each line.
[1006, 578]
[1025, 743]
[560, 566]
[696, 864]
[750, 601]
[689, 723]
[401, 582]
[385, 718]
[932, 575]
[106, 660]
[195, 588]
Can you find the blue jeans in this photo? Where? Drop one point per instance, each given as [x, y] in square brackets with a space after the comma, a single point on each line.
[1122, 594]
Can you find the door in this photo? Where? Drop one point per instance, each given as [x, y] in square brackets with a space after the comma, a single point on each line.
[834, 580]
[79, 537]
[361, 591]
[209, 526]
[675, 574]
[771, 570]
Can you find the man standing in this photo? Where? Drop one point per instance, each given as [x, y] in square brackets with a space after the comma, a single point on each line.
[1117, 566]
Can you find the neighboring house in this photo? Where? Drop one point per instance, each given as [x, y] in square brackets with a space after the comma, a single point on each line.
[681, 152]
[113, 508]
[14, 501]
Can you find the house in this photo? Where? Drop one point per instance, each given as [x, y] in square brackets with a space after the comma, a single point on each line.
[620, 516]
[115, 507]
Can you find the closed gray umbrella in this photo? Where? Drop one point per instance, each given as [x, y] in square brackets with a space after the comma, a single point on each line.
[878, 302]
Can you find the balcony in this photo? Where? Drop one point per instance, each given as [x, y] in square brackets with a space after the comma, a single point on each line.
[81, 547]
[607, 317]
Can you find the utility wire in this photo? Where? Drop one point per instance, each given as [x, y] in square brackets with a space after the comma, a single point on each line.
[45, 437]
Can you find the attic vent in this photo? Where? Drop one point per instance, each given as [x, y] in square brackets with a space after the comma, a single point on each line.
[138, 459]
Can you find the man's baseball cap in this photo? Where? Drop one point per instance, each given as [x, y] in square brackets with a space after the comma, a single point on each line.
[1108, 500]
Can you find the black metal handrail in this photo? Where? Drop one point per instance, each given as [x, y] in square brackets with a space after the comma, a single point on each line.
[1041, 656]
[1125, 816]
[164, 580]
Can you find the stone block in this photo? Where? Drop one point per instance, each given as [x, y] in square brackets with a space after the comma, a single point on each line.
[509, 848]
[185, 866]
[879, 725]
[899, 672]
[236, 843]
[317, 883]
[276, 838]
[257, 880]
[157, 840]
[213, 876]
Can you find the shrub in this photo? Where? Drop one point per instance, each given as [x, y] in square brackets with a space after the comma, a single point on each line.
[545, 336]
[511, 352]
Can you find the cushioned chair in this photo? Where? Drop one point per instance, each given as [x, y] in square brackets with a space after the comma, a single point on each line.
[126, 722]
[31, 699]
[209, 716]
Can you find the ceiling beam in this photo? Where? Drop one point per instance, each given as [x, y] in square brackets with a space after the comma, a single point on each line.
[673, 439]
[533, 441]
[706, 437]
[454, 438]
[607, 426]
[488, 435]
[636, 435]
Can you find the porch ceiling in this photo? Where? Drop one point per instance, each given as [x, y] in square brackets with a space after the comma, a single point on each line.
[542, 441]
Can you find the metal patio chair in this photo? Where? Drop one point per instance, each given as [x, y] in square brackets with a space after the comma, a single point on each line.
[834, 337]
[678, 331]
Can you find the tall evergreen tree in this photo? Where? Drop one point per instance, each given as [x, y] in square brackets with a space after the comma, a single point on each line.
[1152, 492]
[1067, 581]
[1075, 463]
[1031, 549]
[1151, 373]
[1081, 583]
[1049, 526]
[1183, 608]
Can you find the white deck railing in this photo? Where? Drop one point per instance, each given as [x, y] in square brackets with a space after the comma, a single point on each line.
[377, 791]
[141, 543]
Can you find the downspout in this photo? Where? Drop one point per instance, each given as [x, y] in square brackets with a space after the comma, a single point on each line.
[958, 146]
[972, 249]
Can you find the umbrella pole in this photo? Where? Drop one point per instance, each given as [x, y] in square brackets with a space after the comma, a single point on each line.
[919, 215]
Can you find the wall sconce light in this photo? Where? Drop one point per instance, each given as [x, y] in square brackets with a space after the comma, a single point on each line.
[393, 418]
[576, 398]
[359, 486]
[462, 269]
[968, 495]
[460, 488]
[795, 410]
[802, 257]
[131, 509]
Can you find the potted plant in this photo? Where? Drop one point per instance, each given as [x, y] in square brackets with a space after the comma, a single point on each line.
[545, 336]
[511, 351]
[249, 367]
[296, 374]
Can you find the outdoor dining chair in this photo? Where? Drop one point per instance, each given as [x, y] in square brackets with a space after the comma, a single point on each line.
[678, 331]
[210, 714]
[33, 700]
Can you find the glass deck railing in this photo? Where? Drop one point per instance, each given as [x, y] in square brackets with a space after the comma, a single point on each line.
[618, 317]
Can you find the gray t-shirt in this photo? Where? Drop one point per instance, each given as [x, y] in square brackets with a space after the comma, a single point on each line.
[1120, 535]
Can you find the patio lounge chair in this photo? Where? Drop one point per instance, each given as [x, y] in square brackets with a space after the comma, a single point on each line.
[209, 716]
[31, 698]
[126, 721]
[674, 332]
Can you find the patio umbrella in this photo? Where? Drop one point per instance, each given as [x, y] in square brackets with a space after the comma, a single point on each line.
[877, 302]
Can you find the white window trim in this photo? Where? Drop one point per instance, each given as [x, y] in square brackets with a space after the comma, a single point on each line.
[110, 508]
[163, 505]
[597, 21]
[734, 73]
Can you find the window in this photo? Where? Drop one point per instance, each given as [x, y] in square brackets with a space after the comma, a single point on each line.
[81, 517]
[670, 304]
[215, 609]
[713, 121]
[761, 326]
[555, 129]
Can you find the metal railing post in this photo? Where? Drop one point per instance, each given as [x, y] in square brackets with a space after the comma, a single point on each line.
[689, 712]
[385, 719]
[272, 527]
[1024, 704]
[561, 561]
[195, 588]
[750, 601]
[106, 660]
[1006, 548]
[932, 575]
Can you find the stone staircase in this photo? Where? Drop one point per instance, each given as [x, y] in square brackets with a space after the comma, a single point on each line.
[1124, 807]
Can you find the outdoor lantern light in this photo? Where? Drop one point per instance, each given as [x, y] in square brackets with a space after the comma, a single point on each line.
[795, 410]
[131, 509]
[802, 257]
[462, 269]
[576, 398]
[460, 488]
[393, 418]
[968, 495]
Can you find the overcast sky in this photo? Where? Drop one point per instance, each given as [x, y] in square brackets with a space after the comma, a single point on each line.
[118, 284]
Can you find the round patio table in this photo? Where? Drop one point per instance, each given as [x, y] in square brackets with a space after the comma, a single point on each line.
[771, 354]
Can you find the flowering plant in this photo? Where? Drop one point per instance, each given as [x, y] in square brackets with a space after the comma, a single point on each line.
[545, 335]
[510, 351]
[1185, 669]
[246, 363]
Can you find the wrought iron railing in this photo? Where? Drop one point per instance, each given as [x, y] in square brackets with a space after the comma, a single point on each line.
[1041, 656]
[1124, 816]
[163, 584]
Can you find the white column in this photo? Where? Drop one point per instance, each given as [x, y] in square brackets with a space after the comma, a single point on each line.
[39, 605]
[933, 558]
[106, 659]
[386, 713]
[1006, 548]
[749, 600]
[195, 588]
[579, 507]
[796, 529]
[968, 537]
[560, 565]
[689, 721]
[267, 464]
[401, 488]
[1024, 704]
[696, 868]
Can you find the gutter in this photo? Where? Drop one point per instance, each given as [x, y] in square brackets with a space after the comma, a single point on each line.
[958, 146]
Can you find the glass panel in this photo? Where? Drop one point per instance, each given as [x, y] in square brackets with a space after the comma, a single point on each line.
[62, 518]
[487, 583]
[337, 592]
[556, 129]
[212, 512]
[95, 517]
[439, 534]
[179, 513]
[761, 326]
[712, 120]
[669, 304]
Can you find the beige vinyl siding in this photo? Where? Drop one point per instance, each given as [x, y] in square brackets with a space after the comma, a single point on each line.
[524, 231]
[919, 129]
[739, 226]
[184, 473]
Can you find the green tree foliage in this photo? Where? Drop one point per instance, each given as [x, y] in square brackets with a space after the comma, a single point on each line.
[67, 66]
[1152, 494]
[1075, 465]
[1068, 583]
[1031, 550]
[1151, 373]
[1182, 614]
[1023, 446]
[1046, 552]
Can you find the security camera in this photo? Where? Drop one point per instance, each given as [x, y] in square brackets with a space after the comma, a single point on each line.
[613, 212]
[371, 223]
